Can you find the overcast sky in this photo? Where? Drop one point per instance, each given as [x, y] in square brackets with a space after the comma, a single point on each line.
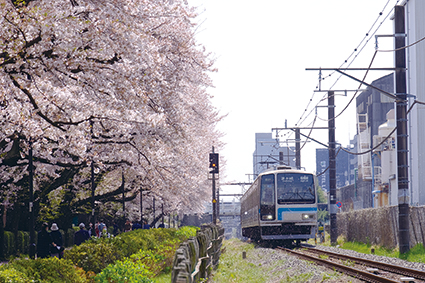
[262, 49]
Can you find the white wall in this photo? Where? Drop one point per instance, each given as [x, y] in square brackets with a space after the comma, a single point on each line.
[415, 28]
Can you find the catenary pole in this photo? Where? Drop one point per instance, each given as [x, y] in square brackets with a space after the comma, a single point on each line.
[332, 167]
[401, 117]
[297, 149]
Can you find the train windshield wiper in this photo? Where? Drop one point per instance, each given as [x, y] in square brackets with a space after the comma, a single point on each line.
[288, 197]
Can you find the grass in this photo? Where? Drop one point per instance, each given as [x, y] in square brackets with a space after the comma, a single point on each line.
[233, 268]
[257, 268]
[416, 254]
[162, 278]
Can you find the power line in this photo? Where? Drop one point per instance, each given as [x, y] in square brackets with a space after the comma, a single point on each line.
[405, 47]
[346, 61]
[366, 40]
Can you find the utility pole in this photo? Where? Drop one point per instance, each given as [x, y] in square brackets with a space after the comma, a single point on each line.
[332, 167]
[297, 149]
[401, 117]
[298, 135]
[31, 202]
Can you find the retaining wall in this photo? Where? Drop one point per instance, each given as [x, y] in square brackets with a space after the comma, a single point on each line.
[196, 257]
[379, 226]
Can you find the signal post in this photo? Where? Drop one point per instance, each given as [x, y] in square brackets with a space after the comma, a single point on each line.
[214, 166]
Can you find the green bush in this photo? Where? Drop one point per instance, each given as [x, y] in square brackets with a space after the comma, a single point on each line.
[9, 244]
[27, 242]
[125, 271]
[42, 270]
[137, 256]
[132, 242]
[12, 275]
[186, 232]
[95, 254]
[20, 242]
[158, 259]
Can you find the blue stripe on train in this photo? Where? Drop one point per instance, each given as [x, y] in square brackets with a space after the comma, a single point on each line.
[294, 209]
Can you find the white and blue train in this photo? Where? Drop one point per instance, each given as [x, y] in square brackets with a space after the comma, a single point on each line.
[281, 204]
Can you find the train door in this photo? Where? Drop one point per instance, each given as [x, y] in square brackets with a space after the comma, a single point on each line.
[267, 198]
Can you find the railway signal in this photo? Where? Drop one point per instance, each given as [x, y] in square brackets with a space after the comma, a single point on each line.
[214, 165]
[214, 162]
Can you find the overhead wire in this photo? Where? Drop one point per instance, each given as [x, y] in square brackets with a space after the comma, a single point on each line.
[404, 47]
[361, 153]
[305, 142]
[375, 147]
[351, 55]
[367, 38]
[388, 14]
[367, 41]
[355, 94]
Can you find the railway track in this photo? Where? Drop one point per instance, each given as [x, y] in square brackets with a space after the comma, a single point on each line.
[366, 270]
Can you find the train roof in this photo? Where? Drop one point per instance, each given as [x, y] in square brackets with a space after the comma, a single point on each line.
[284, 168]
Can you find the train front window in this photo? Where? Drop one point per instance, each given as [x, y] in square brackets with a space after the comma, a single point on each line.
[267, 189]
[295, 188]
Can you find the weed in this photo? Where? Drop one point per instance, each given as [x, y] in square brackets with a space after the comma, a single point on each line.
[303, 277]
[348, 262]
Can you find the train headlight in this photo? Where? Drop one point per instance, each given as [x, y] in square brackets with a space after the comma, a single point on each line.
[307, 216]
[267, 217]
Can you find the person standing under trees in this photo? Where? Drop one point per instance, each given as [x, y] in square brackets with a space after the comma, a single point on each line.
[101, 226]
[82, 235]
[96, 229]
[91, 229]
[57, 239]
[127, 226]
[146, 225]
[116, 229]
[44, 240]
[136, 225]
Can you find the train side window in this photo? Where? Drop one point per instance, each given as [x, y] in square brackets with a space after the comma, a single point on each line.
[267, 189]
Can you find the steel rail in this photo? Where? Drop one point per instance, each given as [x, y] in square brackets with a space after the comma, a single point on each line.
[418, 274]
[354, 272]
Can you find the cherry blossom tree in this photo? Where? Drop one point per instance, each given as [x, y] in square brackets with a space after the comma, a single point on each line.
[121, 83]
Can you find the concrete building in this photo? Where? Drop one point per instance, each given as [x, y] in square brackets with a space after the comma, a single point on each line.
[371, 110]
[415, 59]
[385, 188]
[345, 165]
[385, 181]
[269, 153]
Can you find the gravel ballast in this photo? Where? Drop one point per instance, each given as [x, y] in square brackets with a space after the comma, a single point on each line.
[264, 264]
[277, 266]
